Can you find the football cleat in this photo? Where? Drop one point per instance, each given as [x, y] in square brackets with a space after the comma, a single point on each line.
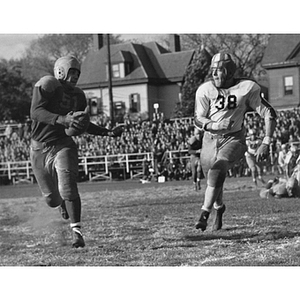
[202, 223]
[218, 220]
[63, 211]
[78, 241]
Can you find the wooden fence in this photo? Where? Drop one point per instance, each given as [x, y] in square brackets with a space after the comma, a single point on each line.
[92, 168]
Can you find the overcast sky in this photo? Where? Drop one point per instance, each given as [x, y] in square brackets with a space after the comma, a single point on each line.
[156, 18]
[14, 45]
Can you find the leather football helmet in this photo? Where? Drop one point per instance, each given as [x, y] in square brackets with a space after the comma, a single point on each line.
[224, 60]
[63, 65]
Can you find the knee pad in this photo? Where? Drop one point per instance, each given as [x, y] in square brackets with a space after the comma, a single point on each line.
[69, 194]
[217, 174]
[53, 199]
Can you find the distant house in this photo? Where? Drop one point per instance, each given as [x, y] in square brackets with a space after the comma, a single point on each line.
[144, 76]
[282, 62]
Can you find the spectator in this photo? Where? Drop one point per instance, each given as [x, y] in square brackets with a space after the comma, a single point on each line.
[173, 134]
[256, 167]
[282, 168]
[290, 160]
[8, 131]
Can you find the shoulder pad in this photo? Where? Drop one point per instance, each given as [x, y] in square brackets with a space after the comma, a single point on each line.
[207, 85]
[48, 83]
[207, 88]
[248, 84]
[78, 90]
[243, 79]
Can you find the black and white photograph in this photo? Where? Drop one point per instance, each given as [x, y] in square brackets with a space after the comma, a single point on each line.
[157, 159]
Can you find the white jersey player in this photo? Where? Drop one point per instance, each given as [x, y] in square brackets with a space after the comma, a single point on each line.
[220, 108]
[256, 167]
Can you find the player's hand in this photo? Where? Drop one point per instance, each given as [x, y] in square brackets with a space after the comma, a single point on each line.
[225, 124]
[72, 120]
[117, 131]
[262, 152]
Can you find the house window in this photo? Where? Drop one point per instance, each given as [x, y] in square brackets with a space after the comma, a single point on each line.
[134, 103]
[116, 71]
[288, 85]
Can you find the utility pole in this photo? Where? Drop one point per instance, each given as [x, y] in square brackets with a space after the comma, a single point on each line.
[111, 101]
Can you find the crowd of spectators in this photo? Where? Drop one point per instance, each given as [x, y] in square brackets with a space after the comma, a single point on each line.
[157, 137]
[15, 142]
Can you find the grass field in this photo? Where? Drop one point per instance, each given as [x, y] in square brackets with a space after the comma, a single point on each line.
[128, 224]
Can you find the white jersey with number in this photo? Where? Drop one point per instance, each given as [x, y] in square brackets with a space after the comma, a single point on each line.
[252, 145]
[214, 104]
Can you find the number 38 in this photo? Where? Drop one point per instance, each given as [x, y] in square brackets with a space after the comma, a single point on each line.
[231, 102]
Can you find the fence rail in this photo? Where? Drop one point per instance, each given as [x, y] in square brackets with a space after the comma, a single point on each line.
[92, 167]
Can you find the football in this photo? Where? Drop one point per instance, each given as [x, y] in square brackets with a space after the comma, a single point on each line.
[84, 119]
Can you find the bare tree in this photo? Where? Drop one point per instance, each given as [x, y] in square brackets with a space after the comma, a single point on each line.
[40, 56]
[247, 49]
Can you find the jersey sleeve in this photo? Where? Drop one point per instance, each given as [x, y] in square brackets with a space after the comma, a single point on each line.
[259, 104]
[202, 106]
[43, 93]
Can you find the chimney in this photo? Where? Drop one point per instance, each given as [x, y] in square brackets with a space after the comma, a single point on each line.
[98, 41]
[174, 40]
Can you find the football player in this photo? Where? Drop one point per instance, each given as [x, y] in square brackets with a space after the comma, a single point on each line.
[195, 145]
[53, 152]
[220, 107]
[253, 142]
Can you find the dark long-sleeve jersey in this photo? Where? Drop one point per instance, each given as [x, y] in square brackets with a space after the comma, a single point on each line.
[194, 145]
[51, 99]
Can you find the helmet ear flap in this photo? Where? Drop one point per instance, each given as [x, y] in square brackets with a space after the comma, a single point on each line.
[59, 73]
[231, 68]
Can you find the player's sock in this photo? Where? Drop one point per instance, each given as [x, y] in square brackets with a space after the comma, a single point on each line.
[218, 220]
[195, 186]
[78, 240]
[74, 210]
[63, 210]
[198, 184]
[211, 195]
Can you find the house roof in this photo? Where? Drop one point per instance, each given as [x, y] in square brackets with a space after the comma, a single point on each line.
[120, 56]
[150, 62]
[282, 51]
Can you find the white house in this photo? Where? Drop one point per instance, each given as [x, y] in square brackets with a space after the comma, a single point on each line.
[142, 75]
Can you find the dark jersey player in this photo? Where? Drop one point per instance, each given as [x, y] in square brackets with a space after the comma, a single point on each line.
[53, 153]
[194, 147]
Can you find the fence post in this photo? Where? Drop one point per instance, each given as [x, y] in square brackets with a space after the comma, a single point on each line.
[9, 171]
[127, 164]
